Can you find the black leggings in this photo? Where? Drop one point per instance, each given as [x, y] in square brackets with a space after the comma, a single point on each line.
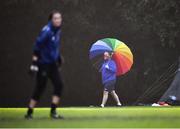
[47, 71]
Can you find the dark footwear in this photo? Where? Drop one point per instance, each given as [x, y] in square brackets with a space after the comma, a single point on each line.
[28, 116]
[56, 116]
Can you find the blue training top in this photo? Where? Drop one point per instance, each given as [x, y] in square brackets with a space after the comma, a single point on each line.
[108, 71]
[47, 45]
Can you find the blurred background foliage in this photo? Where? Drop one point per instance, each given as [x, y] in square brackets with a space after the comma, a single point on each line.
[149, 27]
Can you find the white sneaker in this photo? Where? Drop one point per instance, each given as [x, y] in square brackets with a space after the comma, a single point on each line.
[119, 104]
[102, 105]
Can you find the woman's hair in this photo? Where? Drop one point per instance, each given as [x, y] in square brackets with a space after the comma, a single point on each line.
[52, 13]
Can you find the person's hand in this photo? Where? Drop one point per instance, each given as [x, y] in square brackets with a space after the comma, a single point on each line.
[33, 67]
[107, 66]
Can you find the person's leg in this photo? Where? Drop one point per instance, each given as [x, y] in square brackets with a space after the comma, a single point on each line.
[58, 85]
[116, 98]
[55, 99]
[54, 103]
[105, 98]
[41, 80]
[31, 106]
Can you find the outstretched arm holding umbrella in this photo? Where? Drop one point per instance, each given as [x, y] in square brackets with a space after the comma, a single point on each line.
[109, 79]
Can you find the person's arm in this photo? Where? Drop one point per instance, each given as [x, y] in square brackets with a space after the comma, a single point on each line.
[100, 70]
[41, 39]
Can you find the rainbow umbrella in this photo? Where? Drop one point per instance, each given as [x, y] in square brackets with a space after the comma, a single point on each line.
[121, 54]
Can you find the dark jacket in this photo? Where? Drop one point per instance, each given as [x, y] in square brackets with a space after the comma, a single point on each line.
[47, 45]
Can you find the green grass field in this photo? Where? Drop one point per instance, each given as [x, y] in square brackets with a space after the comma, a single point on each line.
[141, 117]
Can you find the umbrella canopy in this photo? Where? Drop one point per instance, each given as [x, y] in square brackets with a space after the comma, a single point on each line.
[121, 54]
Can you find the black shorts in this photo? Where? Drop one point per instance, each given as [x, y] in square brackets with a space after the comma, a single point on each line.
[48, 71]
[110, 86]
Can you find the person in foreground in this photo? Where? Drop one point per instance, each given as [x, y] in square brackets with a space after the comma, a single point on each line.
[108, 71]
[46, 61]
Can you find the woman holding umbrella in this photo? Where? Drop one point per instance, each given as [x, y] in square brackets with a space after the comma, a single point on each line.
[117, 60]
[108, 71]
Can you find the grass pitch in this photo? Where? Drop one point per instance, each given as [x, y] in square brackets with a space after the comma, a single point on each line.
[126, 117]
